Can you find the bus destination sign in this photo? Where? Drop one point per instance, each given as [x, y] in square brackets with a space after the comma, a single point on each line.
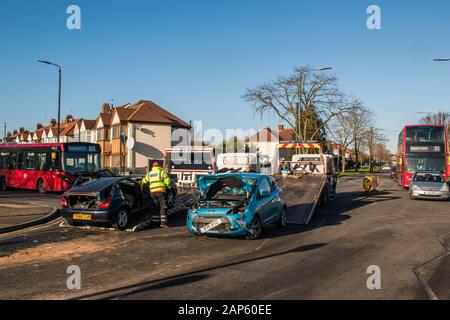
[424, 148]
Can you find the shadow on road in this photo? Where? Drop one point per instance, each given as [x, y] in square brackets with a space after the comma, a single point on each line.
[336, 212]
[190, 277]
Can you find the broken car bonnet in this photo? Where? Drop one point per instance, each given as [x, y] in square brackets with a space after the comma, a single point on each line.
[210, 185]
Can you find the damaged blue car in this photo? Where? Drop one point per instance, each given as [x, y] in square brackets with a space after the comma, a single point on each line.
[236, 204]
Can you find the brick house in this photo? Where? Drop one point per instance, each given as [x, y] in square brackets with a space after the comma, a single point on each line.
[145, 123]
[85, 131]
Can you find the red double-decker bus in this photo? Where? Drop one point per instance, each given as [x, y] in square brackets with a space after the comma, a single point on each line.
[422, 148]
[46, 167]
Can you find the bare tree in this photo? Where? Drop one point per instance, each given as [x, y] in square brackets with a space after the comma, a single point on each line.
[361, 120]
[319, 97]
[341, 130]
[441, 117]
[373, 137]
[382, 153]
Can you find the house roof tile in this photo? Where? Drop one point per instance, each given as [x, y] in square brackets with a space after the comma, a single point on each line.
[148, 111]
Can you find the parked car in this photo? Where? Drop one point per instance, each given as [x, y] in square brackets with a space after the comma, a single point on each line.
[236, 204]
[428, 185]
[109, 200]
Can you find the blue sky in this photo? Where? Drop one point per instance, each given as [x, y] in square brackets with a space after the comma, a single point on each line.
[196, 58]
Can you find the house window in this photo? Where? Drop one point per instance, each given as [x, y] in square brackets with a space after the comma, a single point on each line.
[100, 134]
[83, 136]
[116, 131]
[115, 161]
[106, 133]
[107, 161]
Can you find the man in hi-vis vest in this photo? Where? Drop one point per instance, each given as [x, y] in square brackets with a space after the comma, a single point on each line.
[159, 183]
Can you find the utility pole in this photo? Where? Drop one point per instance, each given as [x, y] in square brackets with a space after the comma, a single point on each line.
[370, 140]
[4, 132]
[299, 106]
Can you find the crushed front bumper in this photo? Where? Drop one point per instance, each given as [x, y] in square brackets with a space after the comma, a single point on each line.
[229, 225]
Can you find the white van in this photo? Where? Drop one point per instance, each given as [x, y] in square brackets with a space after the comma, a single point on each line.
[244, 162]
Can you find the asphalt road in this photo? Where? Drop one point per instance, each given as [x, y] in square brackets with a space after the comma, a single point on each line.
[326, 260]
[20, 206]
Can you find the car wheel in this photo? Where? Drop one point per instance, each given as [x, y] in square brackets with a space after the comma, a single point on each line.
[283, 218]
[412, 197]
[2, 184]
[255, 229]
[40, 186]
[122, 219]
[170, 199]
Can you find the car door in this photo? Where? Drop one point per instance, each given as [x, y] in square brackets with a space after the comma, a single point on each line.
[276, 204]
[264, 200]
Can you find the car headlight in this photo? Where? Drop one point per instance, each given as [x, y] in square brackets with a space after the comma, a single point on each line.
[444, 187]
[415, 187]
[241, 223]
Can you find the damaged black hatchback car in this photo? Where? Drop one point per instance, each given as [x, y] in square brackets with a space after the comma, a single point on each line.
[110, 200]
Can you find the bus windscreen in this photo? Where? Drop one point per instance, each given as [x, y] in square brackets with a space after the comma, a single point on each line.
[80, 162]
[425, 134]
[425, 163]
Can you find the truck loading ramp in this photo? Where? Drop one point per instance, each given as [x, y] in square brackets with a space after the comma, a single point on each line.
[302, 196]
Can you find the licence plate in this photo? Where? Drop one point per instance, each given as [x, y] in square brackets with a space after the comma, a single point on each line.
[211, 225]
[81, 216]
[430, 193]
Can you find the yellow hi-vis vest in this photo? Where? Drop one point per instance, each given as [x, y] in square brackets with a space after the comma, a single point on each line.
[158, 179]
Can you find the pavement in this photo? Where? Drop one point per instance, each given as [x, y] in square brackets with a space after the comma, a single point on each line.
[327, 259]
[19, 206]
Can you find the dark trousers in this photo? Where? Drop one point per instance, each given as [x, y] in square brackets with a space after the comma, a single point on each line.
[159, 199]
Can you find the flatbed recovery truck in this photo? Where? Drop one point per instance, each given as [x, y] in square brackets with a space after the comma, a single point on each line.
[310, 180]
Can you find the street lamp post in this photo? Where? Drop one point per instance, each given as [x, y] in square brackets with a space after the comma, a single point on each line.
[4, 132]
[59, 92]
[300, 92]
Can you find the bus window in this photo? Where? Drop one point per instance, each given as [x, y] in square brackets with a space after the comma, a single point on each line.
[425, 134]
[78, 162]
[21, 161]
[55, 163]
[29, 161]
[12, 161]
[41, 161]
[3, 161]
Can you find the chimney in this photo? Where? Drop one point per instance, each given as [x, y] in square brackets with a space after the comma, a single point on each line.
[105, 108]
[280, 127]
[69, 118]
